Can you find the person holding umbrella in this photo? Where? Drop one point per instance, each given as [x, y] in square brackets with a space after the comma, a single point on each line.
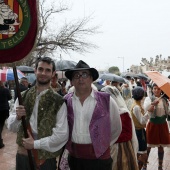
[124, 151]
[157, 132]
[46, 116]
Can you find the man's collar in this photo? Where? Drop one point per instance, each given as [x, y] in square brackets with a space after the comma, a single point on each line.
[91, 94]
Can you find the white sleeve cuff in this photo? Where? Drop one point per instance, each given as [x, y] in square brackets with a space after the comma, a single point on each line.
[37, 144]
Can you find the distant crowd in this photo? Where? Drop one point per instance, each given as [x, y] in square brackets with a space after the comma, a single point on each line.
[84, 122]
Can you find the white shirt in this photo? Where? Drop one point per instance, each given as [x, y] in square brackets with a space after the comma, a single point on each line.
[160, 111]
[60, 132]
[138, 114]
[82, 117]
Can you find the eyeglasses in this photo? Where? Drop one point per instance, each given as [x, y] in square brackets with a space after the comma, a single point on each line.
[83, 75]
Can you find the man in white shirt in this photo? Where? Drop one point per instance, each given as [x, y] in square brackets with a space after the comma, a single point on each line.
[94, 121]
[46, 116]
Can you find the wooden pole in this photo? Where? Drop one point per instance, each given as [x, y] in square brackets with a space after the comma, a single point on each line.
[23, 117]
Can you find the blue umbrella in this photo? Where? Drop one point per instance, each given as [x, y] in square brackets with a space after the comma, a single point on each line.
[7, 74]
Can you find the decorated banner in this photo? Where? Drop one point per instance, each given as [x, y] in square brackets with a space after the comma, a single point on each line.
[18, 29]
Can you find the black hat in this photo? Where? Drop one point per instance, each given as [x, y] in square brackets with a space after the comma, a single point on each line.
[81, 65]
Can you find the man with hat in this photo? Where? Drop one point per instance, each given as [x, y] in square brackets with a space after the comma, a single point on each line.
[94, 121]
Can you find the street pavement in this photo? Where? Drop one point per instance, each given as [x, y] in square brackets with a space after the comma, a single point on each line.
[8, 153]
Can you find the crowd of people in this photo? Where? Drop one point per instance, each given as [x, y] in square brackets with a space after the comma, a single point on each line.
[113, 128]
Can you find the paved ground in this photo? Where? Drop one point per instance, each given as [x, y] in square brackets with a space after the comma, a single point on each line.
[7, 154]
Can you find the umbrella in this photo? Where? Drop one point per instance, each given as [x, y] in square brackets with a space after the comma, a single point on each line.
[141, 76]
[64, 65]
[112, 77]
[98, 85]
[129, 74]
[25, 69]
[7, 74]
[162, 81]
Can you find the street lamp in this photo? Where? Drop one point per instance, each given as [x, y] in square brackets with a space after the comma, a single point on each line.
[123, 62]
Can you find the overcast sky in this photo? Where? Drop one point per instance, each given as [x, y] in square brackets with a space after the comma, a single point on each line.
[131, 30]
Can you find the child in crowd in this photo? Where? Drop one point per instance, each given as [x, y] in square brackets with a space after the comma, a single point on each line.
[140, 119]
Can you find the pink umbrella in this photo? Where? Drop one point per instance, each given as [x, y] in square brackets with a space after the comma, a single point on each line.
[7, 74]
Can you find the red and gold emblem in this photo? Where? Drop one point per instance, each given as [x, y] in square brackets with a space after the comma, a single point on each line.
[18, 29]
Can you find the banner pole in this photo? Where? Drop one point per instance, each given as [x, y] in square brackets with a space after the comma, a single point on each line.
[23, 117]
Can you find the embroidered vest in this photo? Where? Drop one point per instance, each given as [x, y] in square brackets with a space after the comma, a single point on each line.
[100, 129]
[137, 124]
[49, 105]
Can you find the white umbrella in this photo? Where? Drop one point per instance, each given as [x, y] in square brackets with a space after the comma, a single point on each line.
[25, 69]
[64, 65]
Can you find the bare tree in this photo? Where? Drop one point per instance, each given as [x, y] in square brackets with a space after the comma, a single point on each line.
[72, 36]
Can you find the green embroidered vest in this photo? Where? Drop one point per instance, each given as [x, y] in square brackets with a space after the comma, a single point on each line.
[49, 105]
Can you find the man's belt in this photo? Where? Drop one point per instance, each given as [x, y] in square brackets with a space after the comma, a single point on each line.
[86, 151]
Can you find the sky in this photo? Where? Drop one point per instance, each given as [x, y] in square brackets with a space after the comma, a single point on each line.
[130, 30]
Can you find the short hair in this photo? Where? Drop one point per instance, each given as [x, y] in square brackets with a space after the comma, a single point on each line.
[138, 93]
[46, 60]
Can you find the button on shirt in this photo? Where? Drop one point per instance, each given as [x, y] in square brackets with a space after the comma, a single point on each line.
[82, 117]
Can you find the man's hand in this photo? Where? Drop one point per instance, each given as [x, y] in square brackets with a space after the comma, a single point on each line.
[28, 143]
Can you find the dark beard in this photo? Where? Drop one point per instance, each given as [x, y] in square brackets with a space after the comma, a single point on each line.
[44, 82]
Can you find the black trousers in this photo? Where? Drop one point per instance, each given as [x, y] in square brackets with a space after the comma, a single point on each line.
[3, 116]
[89, 164]
[22, 163]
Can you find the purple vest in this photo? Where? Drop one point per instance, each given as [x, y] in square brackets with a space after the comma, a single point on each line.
[100, 130]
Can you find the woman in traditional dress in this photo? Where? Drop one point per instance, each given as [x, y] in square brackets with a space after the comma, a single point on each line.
[124, 151]
[157, 131]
